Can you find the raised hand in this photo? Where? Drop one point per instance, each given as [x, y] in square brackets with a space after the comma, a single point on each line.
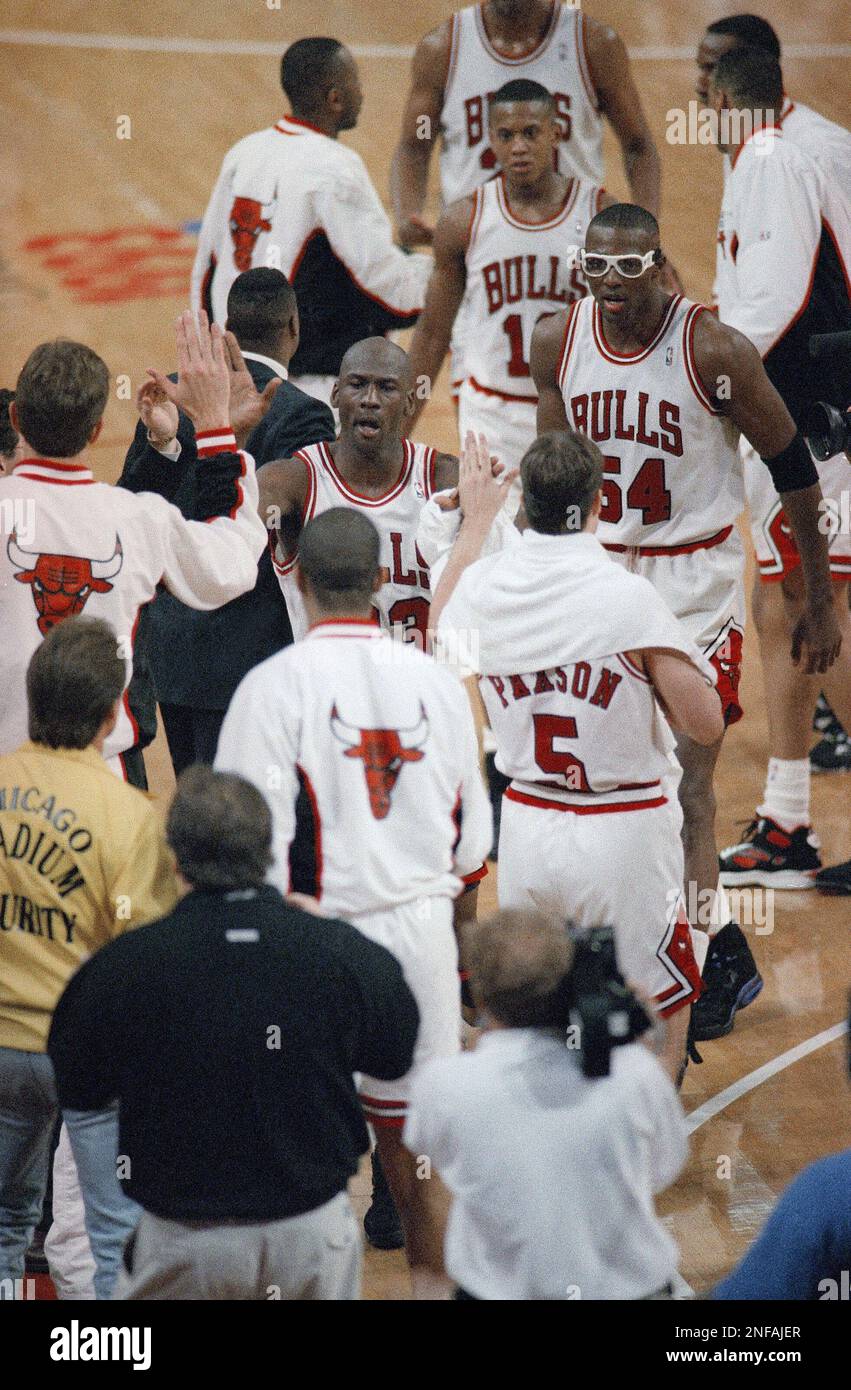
[247, 404]
[481, 492]
[202, 389]
[157, 413]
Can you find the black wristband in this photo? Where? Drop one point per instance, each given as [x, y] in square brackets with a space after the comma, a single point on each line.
[793, 469]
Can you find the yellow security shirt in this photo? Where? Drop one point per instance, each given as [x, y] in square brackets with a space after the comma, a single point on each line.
[82, 859]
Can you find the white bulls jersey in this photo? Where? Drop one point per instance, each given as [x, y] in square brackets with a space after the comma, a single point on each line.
[378, 799]
[517, 273]
[672, 470]
[784, 252]
[73, 545]
[403, 600]
[476, 70]
[589, 733]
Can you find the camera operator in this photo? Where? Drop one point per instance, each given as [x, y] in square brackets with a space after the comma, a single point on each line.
[552, 1173]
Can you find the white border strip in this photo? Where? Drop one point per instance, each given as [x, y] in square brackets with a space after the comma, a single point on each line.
[730, 1094]
[153, 43]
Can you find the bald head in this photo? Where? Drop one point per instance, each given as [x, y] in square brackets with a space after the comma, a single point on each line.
[338, 556]
[518, 962]
[377, 355]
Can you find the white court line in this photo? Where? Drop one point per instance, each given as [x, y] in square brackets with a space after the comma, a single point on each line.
[153, 43]
[730, 1094]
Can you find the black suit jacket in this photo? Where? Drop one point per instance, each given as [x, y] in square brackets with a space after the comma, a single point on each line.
[198, 659]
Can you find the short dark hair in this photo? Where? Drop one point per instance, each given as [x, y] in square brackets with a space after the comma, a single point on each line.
[260, 304]
[561, 475]
[8, 433]
[626, 217]
[522, 89]
[750, 29]
[74, 678]
[519, 963]
[60, 396]
[308, 71]
[220, 829]
[752, 78]
[338, 554]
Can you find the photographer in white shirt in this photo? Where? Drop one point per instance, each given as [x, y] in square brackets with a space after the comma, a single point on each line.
[552, 1173]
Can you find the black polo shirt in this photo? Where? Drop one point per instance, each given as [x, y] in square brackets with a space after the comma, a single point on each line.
[229, 1032]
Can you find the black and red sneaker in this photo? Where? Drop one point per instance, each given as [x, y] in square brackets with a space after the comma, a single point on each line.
[770, 857]
[731, 981]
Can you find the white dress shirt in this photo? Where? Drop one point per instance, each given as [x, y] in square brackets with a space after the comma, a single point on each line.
[553, 1175]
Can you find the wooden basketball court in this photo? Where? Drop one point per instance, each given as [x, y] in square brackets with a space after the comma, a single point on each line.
[114, 123]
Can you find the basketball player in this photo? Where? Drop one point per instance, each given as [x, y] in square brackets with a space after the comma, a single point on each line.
[371, 467]
[663, 388]
[378, 809]
[826, 142]
[575, 658]
[784, 245]
[294, 197]
[470, 55]
[502, 259]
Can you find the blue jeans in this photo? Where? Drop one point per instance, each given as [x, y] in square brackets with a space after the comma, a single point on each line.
[28, 1112]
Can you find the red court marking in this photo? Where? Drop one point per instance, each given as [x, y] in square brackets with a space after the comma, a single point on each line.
[119, 263]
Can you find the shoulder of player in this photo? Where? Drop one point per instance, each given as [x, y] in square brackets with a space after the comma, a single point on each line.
[604, 48]
[720, 350]
[548, 340]
[452, 234]
[445, 471]
[431, 57]
[286, 478]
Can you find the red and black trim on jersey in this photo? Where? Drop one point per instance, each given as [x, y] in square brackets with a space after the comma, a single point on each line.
[305, 853]
[676, 954]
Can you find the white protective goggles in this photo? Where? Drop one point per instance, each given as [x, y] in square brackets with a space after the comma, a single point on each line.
[630, 265]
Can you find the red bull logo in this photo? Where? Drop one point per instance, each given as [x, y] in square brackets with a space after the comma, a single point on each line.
[61, 584]
[383, 752]
[248, 219]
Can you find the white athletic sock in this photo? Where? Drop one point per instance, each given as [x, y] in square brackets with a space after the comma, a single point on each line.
[787, 792]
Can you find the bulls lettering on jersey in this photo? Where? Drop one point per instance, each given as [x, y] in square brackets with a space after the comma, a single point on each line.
[589, 733]
[377, 799]
[672, 470]
[402, 603]
[477, 70]
[517, 273]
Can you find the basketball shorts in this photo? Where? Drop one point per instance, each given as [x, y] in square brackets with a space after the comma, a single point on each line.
[622, 869]
[510, 427]
[421, 936]
[776, 551]
[706, 590]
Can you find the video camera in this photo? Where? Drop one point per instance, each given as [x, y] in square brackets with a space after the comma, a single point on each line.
[601, 1007]
[827, 429]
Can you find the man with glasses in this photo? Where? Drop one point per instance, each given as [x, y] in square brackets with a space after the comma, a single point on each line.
[664, 390]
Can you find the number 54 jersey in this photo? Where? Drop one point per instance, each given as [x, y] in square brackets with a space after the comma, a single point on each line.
[672, 470]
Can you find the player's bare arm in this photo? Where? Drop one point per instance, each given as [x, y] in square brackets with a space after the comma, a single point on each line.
[547, 342]
[733, 373]
[621, 105]
[282, 488]
[691, 706]
[420, 126]
[445, 472]
[446, 287]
